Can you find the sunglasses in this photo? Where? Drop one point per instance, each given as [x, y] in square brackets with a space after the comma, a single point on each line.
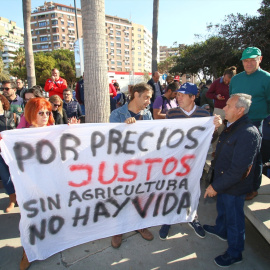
[56, 105]
[42, 113]
[5, 88]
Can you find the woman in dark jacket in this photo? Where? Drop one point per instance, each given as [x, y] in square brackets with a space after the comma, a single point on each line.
[59, 114]
[8, 120]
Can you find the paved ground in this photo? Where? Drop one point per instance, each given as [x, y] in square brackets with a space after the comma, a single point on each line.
[182, 250]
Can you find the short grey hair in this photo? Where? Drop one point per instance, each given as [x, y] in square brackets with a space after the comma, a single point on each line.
[244, 100]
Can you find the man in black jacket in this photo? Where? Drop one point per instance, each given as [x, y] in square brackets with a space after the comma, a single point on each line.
[155, 84]
[236, 154]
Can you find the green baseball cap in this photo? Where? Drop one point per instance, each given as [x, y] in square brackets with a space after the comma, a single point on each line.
[251, 52]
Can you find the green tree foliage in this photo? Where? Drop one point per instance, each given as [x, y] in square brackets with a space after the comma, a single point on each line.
[210, 57]
[3, 73]
[226, 42]
[44, 63]
[65, 62]
[17, 68]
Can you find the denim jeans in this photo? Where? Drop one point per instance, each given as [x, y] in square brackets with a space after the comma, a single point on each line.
[230, 222]
[83, 109]
[5, 177]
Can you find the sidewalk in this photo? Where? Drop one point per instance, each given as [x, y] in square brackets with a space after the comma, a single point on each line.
[183, 249]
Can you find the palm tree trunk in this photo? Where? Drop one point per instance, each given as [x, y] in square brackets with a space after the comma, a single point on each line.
[29, 55]
[96, 86]
[155, 35]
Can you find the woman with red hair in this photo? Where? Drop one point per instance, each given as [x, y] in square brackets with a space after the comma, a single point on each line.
[38, 112]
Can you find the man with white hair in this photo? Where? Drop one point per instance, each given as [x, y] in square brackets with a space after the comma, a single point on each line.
[236, 154]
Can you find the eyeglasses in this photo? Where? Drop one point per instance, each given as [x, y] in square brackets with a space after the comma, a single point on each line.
[42, 113]
[5, 88]
[56, 105]
[66, 94]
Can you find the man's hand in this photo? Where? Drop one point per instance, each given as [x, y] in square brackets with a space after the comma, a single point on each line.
[210, 192]
[220, 97]
[130, 120]
[217, 121]
[53, 78]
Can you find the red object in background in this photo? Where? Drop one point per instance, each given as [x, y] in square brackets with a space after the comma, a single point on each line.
[112, 90]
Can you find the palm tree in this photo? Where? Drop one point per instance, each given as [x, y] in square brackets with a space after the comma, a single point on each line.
[96, 86]
[155, 35]
[29, 55]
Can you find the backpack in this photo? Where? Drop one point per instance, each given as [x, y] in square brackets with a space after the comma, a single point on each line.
[163, 105]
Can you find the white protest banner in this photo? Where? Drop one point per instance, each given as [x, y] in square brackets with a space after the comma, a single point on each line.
[79, 183]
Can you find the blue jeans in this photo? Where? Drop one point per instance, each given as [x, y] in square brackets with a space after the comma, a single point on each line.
[5, 177]
[230, 222]
[83, 109]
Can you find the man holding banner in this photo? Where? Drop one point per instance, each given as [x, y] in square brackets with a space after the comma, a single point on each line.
[134, 110]
[237, 151]
[187, 109]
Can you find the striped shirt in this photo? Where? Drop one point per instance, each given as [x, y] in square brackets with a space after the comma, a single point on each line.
[179, 113]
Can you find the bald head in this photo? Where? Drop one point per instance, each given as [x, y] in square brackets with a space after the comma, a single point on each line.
[156, 76]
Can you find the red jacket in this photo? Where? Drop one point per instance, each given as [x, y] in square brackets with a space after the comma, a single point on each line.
[112, 90]
[55, 88]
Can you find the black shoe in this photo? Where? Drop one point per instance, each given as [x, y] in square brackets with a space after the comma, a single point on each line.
[226, 260]
[197, 227]
[164, 231]
[211, 230]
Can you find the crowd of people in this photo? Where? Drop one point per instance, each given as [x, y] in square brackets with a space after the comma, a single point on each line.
[240, 104]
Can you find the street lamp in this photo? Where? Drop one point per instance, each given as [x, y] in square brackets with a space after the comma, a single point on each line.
[133, 49]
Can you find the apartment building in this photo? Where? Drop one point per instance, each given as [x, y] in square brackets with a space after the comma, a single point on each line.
[166, 52]
[53, 26]
[12, 38]
[142, 48]
[118, 44]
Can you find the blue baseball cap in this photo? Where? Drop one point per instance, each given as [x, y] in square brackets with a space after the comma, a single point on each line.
[188, 88]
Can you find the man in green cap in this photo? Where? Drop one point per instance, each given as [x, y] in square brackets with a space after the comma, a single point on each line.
[255, 82]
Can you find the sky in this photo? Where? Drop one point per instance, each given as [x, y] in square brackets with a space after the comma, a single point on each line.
[179, 20]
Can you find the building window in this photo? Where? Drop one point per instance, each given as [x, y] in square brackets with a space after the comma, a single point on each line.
[139, 35]
[119, 57]
[43, 38]
[37, 32]
[54, 22]
[139, 29]
[139, 59]
[42, 24]
[62, 22]
[112, 51]
[55, 37]
[139, 53]
[118, 39]
[127, 39]
[112, 44]
[112, 62]
[118, 51]
[118, 33]
[53, 15]
[118, 45]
